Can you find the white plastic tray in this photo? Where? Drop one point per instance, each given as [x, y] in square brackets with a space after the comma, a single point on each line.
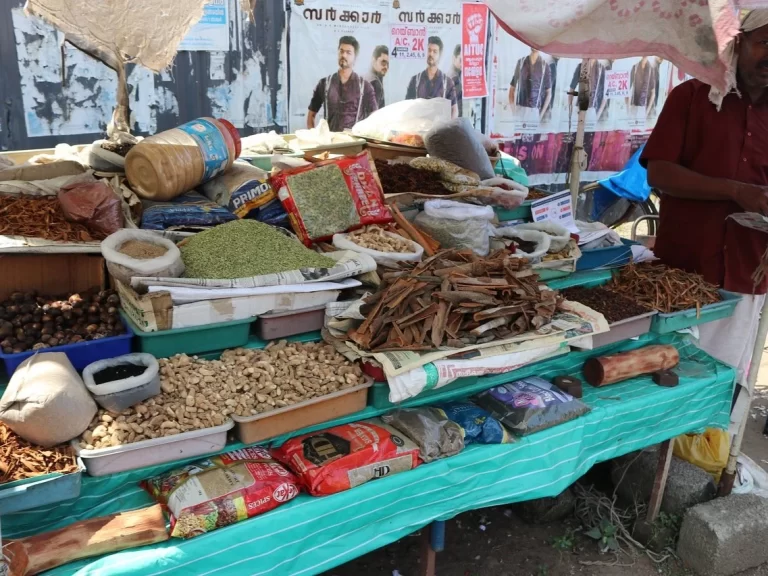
[152, 452]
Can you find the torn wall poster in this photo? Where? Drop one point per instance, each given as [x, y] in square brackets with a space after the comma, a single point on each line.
[211, 33]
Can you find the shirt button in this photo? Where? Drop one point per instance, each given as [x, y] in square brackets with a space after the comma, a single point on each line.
[749, 107]
[749, 133]
[744, 159]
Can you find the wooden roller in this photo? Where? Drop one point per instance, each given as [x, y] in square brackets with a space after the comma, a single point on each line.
[606, 370]
[86, 538]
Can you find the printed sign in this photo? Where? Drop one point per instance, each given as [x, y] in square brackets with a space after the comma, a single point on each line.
[408, 42]
[211, 33]
[474, 32]
[556, 208]
[617, 83]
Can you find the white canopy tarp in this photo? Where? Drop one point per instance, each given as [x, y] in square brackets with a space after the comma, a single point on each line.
[692, 34]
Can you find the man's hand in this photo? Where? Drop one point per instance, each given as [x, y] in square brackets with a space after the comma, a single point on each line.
[752, 198]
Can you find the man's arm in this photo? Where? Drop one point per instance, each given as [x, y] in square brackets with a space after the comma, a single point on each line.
[547, 100]
[680, 182]
[410, 93]
[651, 102]
[318, 96]
[370, 103]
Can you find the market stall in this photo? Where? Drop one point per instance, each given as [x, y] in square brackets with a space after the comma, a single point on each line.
[414, 306]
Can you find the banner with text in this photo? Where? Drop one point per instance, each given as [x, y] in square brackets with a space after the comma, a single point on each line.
[474, 38]
[390, 51]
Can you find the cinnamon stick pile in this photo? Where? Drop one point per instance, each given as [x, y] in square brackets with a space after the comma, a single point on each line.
[454, 299]
[19, 459]
[665, 289]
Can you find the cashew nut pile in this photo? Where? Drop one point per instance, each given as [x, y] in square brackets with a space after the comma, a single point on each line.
[375, 238]
[199, 394]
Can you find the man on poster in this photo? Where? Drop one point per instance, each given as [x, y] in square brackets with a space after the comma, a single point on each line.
[456, 77]
[346, 97]
[530, 91]
[597, 100]
[433, 82]
[379, 69]
[708, 155]
[642, 89]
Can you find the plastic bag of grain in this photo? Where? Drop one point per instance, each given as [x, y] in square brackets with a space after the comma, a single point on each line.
[141, 253]
[46, 401]
[458, 225]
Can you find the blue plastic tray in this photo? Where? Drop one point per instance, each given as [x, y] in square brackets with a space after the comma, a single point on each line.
[40, 491]
[80, 354]
[666, 323]
[611, 257]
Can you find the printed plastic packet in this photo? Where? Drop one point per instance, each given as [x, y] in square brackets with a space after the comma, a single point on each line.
[342, 457]
[188, 210]
[331, 197]
[478, 425]
[436, 435]
[222, 490]
[530, 405]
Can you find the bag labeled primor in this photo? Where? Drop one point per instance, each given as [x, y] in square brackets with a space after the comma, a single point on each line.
[46, 402]
[342, 457]
[141, 253]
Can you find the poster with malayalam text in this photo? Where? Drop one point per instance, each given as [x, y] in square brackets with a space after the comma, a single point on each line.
[474, 39]
[366, 54]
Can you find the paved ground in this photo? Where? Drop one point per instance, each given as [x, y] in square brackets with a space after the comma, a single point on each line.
[494, 542]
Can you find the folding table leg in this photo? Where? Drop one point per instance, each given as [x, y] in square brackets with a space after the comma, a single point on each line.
[433, 541]
[660, 482]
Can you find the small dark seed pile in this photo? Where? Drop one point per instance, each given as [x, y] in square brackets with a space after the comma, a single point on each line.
[402, 178]
[613, 306]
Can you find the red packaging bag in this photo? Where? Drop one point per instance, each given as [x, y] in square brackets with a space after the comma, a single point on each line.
[346, 456]
[332, 197]
[222, 490]
[94, 204]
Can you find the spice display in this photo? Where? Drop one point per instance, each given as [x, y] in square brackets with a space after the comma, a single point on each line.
[222, 490]
[401, 178]
[665, 289]
[119, 148]
[612, 305]
[534, 194]
[20, 460]
[40, 217]
[375, 238]
[32, 322]
[142, 250]
[199, 394]
[447, 171]
[332, 197]
[454, 299]
[245, 248]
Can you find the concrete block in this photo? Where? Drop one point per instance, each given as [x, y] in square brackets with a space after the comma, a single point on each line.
[725, 536]
[547, 510]
[687, 484]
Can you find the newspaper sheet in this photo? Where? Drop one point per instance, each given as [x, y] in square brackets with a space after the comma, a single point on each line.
[348, 264]
[187, 295]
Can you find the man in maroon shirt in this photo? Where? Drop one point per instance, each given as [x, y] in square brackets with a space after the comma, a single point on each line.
[346, 97]
[709, 164]
[433, 82]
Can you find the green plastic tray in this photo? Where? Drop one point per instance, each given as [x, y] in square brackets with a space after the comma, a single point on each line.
[522, 212]
[666, 323]
[196, 340]
[586, 279]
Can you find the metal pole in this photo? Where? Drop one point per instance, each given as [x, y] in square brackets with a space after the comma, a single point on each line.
[579, 156]
[729, 475]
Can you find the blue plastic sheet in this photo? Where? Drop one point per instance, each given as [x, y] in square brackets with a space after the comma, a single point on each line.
[631, 184]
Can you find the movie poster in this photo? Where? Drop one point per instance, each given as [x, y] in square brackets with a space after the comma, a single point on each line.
[350, 58]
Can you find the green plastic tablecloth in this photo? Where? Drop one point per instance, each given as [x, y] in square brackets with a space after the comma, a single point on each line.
[310, 535]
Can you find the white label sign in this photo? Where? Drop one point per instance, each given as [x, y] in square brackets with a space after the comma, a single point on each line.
[616, 83]
[211, 33]
[556, 208]
[408, 42]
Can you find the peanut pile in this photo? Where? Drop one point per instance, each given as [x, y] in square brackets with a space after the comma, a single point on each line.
[375, 238]
[199, 394]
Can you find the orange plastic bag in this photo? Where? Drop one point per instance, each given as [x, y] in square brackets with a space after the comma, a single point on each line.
[709, 451]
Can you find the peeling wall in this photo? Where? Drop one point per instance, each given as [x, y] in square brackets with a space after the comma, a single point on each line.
[51, 92]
